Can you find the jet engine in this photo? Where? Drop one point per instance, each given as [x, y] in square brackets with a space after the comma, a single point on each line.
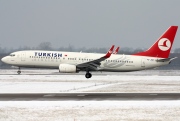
[67, 68]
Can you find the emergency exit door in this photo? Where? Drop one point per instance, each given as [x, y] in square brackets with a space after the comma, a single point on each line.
[23, 56]
[143, 62]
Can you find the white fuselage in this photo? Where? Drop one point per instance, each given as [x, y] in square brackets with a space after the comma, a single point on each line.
[52, 59]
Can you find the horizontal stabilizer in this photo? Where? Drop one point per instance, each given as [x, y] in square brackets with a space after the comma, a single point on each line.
[167, 59]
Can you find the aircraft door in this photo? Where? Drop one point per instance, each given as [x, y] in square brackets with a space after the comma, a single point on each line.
[142, 62]
[23, 56]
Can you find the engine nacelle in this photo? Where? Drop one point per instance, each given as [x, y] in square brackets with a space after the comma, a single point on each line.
[67, 68]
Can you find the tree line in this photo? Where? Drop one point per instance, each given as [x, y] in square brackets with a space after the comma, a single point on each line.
[70, 48]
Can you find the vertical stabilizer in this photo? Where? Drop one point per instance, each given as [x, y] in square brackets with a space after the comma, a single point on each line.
[162, 47]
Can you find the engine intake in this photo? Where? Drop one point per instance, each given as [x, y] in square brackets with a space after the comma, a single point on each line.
[67, 68]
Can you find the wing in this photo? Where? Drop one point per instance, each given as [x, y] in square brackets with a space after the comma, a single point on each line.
[93, 65]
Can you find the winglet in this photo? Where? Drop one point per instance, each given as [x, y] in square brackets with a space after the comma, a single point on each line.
[108, 54]
[116, 51]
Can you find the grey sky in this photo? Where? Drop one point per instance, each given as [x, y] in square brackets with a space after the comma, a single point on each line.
[86, 23]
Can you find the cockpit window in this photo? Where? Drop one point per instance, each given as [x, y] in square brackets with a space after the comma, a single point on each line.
[12, 55]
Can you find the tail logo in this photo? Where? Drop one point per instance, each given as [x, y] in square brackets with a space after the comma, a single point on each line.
[164, 44]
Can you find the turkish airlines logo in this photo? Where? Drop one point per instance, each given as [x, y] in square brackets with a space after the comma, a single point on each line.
[164, 44]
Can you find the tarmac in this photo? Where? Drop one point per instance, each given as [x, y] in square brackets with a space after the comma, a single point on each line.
[87, 96]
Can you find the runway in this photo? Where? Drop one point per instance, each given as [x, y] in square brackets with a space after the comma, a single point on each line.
[45, 94]
[87, 96]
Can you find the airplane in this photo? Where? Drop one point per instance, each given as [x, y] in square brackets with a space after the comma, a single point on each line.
[73, 62]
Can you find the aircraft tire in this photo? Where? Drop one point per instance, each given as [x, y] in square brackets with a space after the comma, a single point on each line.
[88, 75]
[19, 72]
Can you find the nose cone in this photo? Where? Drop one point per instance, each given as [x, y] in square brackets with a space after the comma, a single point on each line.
[4, 59]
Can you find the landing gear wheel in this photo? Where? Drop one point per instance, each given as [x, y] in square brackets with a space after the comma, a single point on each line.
[19, 71]
[88, 75]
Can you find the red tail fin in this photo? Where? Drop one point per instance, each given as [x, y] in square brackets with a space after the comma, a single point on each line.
[162, 47]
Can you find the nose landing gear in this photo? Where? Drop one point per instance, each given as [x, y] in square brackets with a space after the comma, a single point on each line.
[19, 71]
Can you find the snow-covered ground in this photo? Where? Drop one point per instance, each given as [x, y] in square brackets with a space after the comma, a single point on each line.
[90, 111]
[45, 81]
[51, 81]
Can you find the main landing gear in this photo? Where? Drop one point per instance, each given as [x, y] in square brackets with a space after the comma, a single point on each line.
[19, 71]
[88, 75]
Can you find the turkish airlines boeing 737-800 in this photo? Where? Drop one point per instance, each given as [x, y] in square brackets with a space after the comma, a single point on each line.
[73, 62]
